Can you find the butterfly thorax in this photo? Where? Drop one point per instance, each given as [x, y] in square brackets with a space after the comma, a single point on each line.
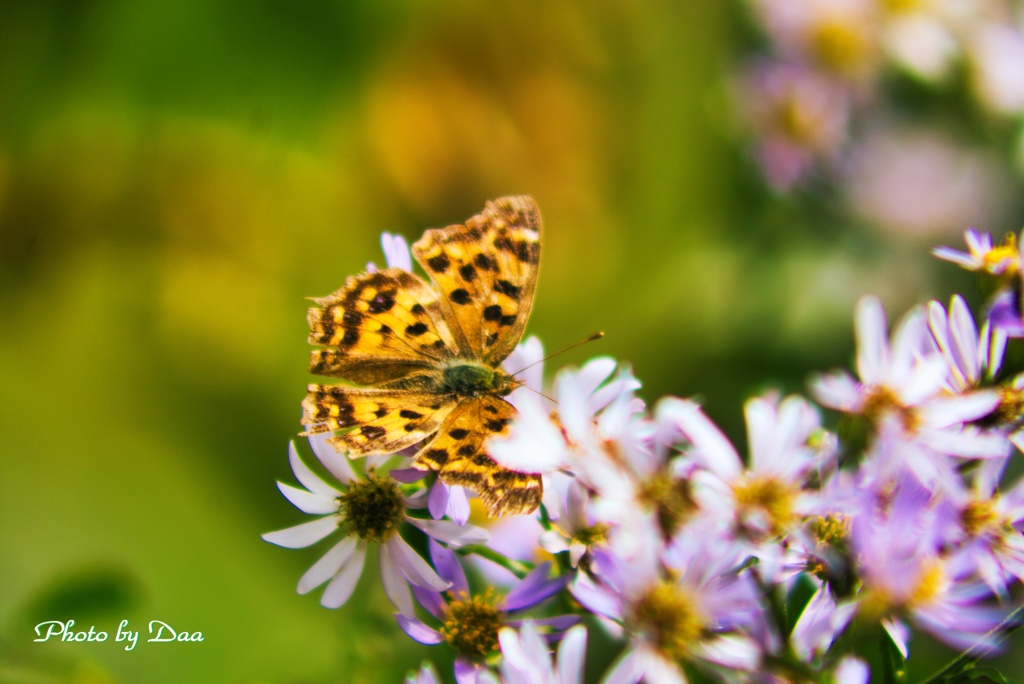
[467, 378]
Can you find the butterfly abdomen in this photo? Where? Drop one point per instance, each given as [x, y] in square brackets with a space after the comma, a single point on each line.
[470, 379]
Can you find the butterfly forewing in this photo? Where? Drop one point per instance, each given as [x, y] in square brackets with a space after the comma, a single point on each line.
[379, 327]
[487, 273]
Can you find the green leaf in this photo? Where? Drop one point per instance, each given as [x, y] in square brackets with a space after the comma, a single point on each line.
[894, 665]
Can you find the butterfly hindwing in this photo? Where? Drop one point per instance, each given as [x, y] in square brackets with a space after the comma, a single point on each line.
[379, 327]
[458, 452]
[372, 420]
[487, 273]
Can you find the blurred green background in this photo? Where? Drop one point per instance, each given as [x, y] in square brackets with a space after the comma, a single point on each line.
[177, 177]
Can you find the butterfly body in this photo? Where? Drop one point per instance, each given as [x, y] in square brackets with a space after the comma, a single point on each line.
[426, 357]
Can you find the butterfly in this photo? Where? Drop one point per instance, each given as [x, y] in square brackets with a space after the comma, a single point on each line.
[424, 359]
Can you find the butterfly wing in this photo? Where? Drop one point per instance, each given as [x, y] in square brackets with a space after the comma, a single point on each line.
[380, 327]
[458, 453]
[487, 273]
[374, 420]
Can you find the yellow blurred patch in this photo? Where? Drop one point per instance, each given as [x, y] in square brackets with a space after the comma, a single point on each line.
[217, 318]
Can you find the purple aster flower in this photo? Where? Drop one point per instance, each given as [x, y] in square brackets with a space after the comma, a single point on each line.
[576, 531]
[897, 538]
[526, 656]
[915, 423]
[686, 605]
[471, 625]
[1001, 260]
[365, 510]
[765, 501]
[970, 357]
[798, 117]
[1004, 311]
[988, 530]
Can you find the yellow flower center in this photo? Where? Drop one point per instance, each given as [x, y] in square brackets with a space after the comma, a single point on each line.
[671, 498]
[980, 516]
[768, 496]
[593, 535]
[900, 6]
[839, 44]
[472, 624]
[669, 619]
[831, 529]
[373, 508]
[882, 401]
[1011, 406]
[1005, 254]
[931, 581]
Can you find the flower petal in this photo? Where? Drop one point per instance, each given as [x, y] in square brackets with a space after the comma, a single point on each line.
[307, 477]
[393, 579]
[712, 449]
[415, 569]
[309, 502]
[344, 583]
[419, 631]
[458, 504]
[437, 504]
[872, 345]
[534, 588]
[449, 568]
[306, 534]
[571, 654]
[328, 565]
[450, 532]
[335, 462]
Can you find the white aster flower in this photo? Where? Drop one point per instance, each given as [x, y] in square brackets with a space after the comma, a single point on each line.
[365, 510]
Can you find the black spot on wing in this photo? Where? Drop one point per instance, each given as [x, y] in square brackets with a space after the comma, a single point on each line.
[507, 288]
[460, 296]
[439, 263]
[381, 303]
[406, 413]
[416, 329]
[372, 432]
[485, 263]
[492, 313]
[436, 456]
[351, 337]
[458, 433]
[468, 272]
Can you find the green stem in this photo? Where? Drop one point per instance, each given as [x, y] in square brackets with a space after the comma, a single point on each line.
[971, 656]
[517, 568]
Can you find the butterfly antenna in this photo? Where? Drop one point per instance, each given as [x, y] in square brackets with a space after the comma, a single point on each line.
[595, 336]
